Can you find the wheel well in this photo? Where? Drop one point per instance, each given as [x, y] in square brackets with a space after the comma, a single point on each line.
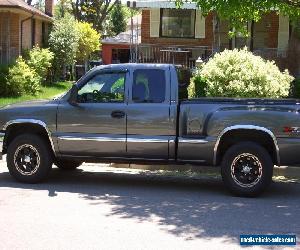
[235, 136]
[15, 130]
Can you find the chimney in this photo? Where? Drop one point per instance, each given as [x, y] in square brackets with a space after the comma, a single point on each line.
[49, 7]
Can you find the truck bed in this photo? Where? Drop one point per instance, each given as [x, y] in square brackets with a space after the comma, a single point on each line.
[242, 101]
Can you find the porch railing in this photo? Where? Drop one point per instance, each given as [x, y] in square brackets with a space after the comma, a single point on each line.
[271, 53]
[184, 56]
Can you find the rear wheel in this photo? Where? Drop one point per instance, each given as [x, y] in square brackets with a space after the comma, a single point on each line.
[247, 169]
[29, 158]
[67, 164]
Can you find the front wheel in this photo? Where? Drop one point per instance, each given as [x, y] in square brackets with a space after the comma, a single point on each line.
[247, 169]
[29, 158]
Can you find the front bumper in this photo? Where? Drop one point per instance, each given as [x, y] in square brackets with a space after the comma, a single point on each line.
[2, 135]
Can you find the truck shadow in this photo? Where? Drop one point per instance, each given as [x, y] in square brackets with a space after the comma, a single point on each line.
[182, 207]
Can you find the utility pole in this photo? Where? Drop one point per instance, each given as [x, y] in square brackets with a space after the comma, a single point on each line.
[133, 42]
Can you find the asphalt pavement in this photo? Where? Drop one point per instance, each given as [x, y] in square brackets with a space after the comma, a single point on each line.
[97, 207]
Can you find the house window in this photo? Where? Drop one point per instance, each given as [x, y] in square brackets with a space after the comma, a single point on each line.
[177, 23]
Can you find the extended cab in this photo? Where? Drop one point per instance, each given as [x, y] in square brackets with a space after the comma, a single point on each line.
[132, 113]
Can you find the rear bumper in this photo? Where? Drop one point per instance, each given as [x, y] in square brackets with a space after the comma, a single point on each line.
[1, 144]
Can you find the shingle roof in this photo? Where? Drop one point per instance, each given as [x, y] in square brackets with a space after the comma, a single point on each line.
[164, 4]
[20, 4]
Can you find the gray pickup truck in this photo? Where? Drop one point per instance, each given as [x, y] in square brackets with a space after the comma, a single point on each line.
[132, 113]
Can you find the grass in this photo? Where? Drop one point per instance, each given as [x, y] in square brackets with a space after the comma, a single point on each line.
[47, 92]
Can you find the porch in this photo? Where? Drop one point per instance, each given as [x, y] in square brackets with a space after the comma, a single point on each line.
[186, 56]
[183, 56]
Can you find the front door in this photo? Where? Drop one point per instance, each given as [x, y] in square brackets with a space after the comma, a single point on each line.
[97, 126]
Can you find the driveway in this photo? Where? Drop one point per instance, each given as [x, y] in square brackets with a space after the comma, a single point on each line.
[96, 207]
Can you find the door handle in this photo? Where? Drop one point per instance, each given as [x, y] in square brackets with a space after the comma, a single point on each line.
[118, 114]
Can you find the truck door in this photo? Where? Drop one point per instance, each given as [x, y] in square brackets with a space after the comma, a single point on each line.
[96, 126]
[150, 128]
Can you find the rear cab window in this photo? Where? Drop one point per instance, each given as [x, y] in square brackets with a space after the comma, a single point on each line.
[149, 86]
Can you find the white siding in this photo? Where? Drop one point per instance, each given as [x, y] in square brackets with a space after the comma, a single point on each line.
[283, 32]
[199, 25]
[154, 22]
[164, 4]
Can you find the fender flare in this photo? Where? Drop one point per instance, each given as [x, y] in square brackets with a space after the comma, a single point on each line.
[31, 121]
[247, 127]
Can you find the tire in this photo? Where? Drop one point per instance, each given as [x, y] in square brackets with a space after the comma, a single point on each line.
[247, 169]
[67, 164]
[29, 158]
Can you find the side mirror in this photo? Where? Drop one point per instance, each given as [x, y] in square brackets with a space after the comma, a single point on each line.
[73, 95]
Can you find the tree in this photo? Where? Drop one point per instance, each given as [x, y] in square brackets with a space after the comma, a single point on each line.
[62, 8]
[89, 41]
[118, 19]
[63, 42]
[94, 12]
[239, 12]
[40, 4]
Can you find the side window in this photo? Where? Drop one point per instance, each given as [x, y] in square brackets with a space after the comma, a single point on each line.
[108, 87]
[149, 86]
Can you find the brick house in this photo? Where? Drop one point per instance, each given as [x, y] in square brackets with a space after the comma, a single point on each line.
[181, 36]
[21, 27]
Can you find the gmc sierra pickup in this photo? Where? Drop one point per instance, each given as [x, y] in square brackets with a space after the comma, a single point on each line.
[132, 113]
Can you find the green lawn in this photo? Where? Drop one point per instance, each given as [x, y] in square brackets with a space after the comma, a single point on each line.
[47, 92]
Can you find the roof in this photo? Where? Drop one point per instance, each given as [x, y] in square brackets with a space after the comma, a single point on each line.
[163, 4]
[126, 66]
[124, 37]
[20, 4]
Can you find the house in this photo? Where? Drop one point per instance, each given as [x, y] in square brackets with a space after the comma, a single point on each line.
[181, 36]
[118, 49]
[21, 27]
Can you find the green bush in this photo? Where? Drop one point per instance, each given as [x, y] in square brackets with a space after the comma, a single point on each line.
[63, 42]
[40, 60]
[239, 73]
[25, 76]
[197, 87]
[22, 79]
[295, 89]
[3, 79]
